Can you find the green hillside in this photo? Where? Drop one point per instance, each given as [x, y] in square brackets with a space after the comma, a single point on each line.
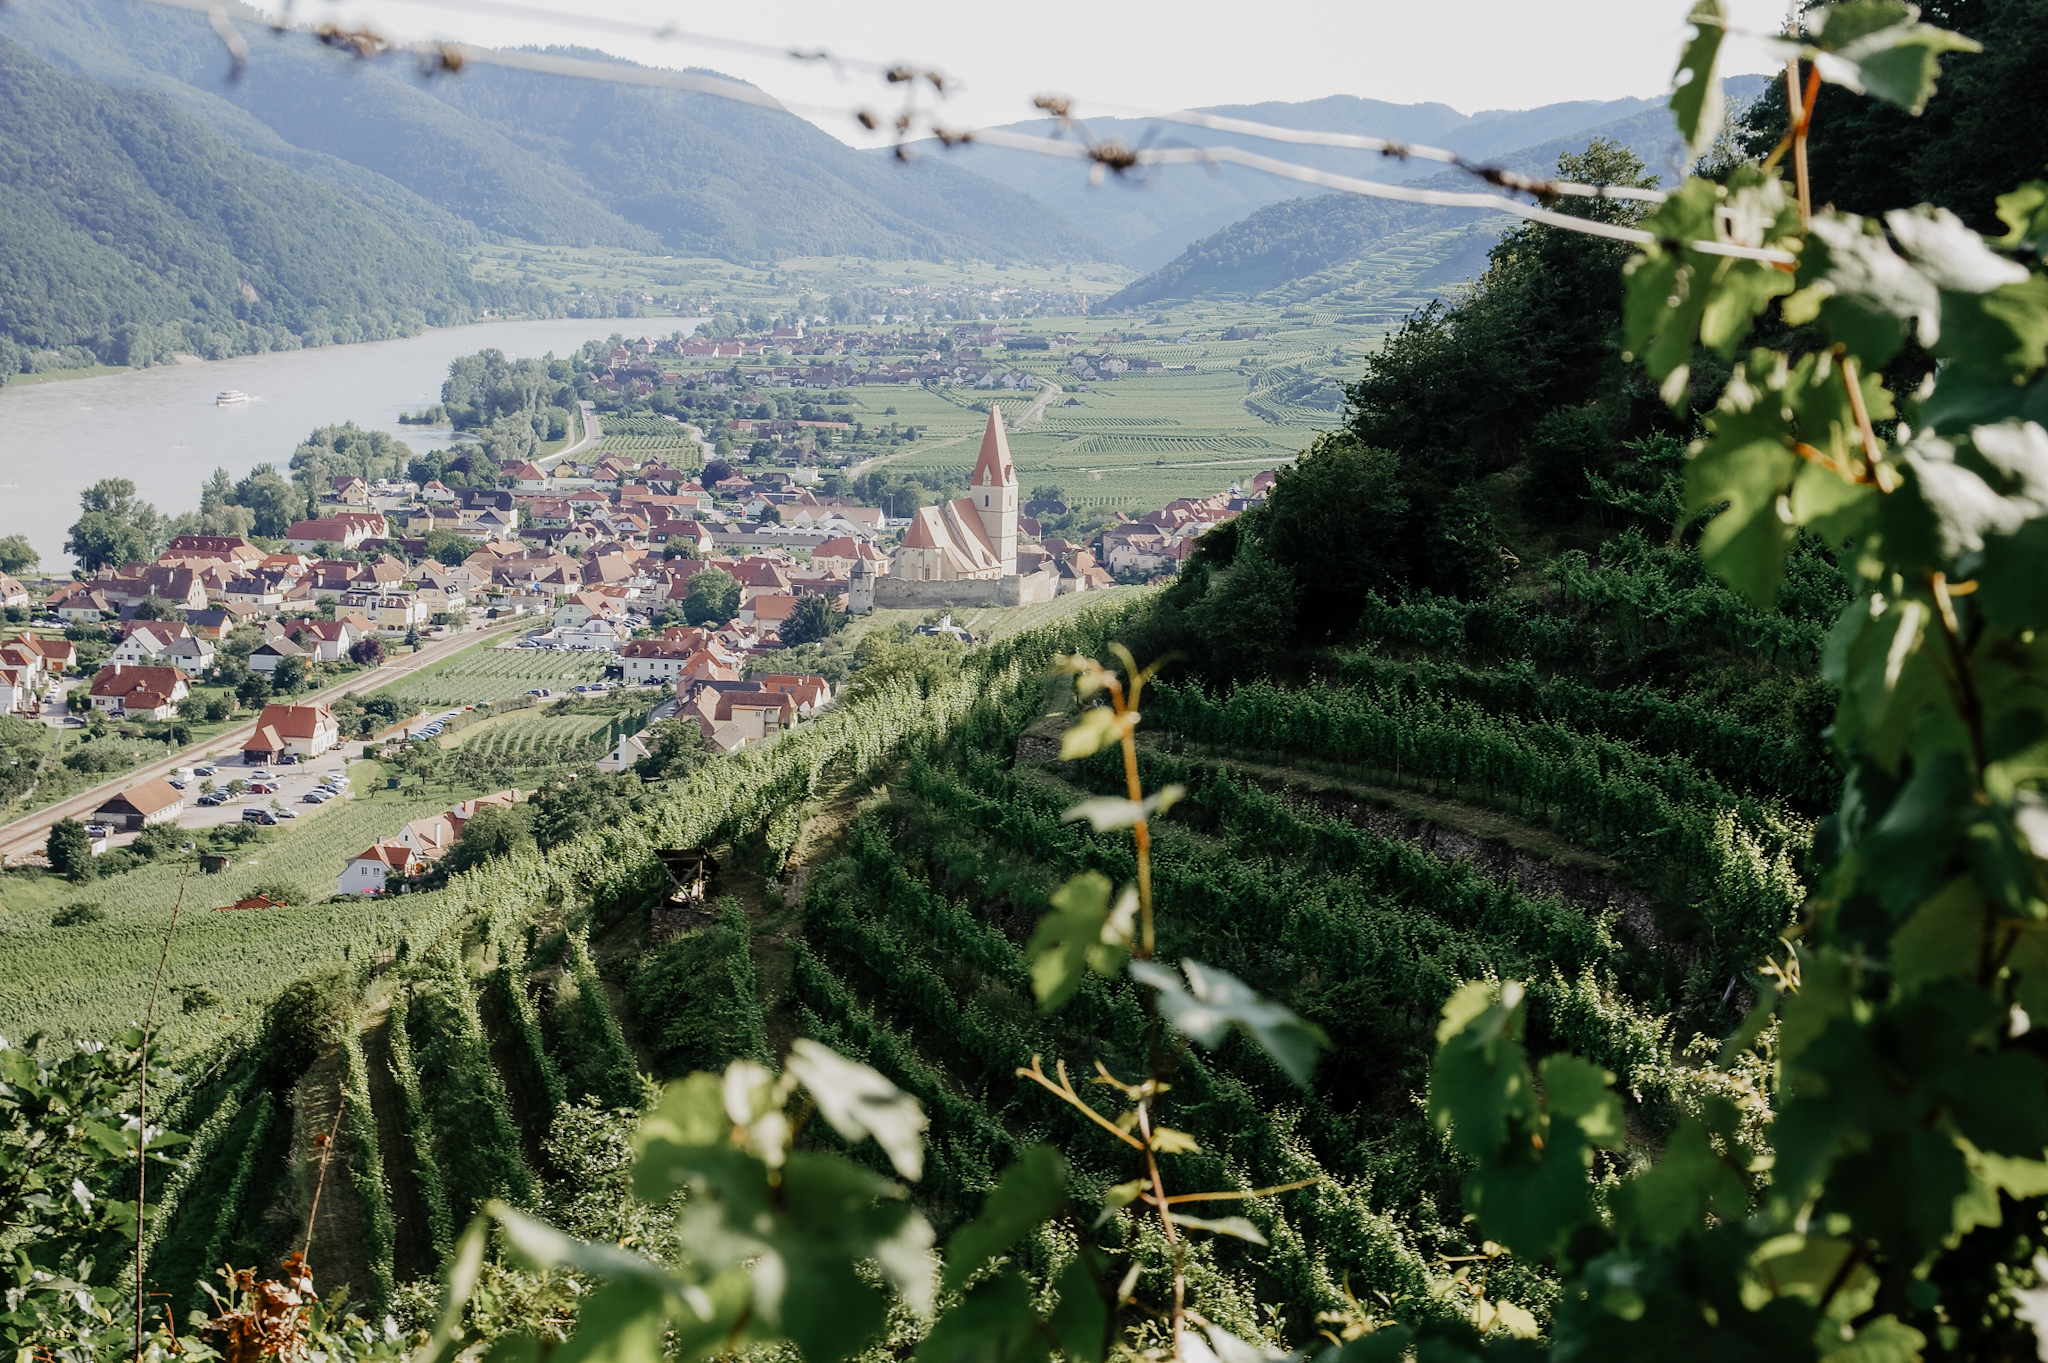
[131, 229]
[558, 160]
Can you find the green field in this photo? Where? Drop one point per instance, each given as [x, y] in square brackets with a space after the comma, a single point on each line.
[534, 738]
[646, 438]
[485, 672]
[94, 980]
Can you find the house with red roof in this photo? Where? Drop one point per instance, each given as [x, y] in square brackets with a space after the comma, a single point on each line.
[144, 692]
[303, 731]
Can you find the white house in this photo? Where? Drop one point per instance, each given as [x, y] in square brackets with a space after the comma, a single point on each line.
[370, 871]
[622, 758]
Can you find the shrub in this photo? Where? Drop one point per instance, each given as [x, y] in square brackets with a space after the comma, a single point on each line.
[300, 1023]
[78, 915]
[70, 850]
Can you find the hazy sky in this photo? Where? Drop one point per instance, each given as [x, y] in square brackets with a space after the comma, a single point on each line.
[1470, 54]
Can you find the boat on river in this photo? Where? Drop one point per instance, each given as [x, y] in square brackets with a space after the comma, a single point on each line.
[230, 397]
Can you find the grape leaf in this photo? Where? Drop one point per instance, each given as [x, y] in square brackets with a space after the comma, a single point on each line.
[993, 1324]
[1696, 98]
[1083, 932]
[1105, 812]
[1081, 1320]
[1030, 1191]
[860, 1102]
[1215, 1001]
[1878, 47]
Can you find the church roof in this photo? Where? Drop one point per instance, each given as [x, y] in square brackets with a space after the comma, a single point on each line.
[994, 466]
[955, 529]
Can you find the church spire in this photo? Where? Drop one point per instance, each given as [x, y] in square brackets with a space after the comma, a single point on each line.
[994, 467]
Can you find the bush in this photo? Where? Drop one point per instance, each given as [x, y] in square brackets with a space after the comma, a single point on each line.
[696, 1001]
[301, 1022]
[199, 998]
[280, 892]
[70, 850]
[78, 915]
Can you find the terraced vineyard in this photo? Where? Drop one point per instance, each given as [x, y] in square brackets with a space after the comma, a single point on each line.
[94, 980]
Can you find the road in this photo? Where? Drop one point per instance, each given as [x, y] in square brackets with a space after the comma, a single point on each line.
[593, 431]
[30, 832]
[1036, 411]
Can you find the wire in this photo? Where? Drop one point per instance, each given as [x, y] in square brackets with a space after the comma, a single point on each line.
[453, 57]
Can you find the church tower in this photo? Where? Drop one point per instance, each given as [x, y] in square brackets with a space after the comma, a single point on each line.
[994, 492]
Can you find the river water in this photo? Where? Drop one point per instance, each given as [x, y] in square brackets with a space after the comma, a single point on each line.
[160, 427]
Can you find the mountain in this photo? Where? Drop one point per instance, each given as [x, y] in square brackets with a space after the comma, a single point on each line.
[1376, 255]
[131, 229]
[551, 159]
[1150, 219]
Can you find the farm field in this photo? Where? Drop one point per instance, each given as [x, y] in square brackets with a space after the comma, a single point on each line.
[535, 738]
[94, 980]
[645, 438]
[986, 623]
[487, 672]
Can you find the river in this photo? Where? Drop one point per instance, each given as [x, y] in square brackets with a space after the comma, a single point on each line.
[160, 427]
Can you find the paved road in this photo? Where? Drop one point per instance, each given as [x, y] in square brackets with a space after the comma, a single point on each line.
[30, 832]
[593, 431]
[1036, 411]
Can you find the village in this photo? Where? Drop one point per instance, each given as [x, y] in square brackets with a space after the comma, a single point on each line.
[686, 587]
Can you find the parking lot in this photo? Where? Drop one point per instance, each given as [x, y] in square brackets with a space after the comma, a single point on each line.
[293, 783]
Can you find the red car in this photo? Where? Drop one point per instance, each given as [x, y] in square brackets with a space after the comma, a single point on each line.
[263, 787]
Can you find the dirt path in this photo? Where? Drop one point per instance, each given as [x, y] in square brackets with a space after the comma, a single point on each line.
[340, 1240]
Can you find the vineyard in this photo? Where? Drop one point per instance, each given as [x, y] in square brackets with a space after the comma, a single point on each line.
[487, 672]
[650, 439]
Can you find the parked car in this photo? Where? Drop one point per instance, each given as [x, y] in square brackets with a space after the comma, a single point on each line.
[73, 722]
[285, 813]
[263, 787]
[95, 831]
[204, 771]
[260, 774]
[176, 784]
[313, 797]
[255, 815]
[213, 801]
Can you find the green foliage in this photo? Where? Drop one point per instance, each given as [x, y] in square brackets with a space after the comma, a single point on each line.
[17, 555]
[494, 831]
[70, 851]
[695, 999]
[815, 619]
[78, 915]
[713, 597]
[302, 1022]
[115, 527]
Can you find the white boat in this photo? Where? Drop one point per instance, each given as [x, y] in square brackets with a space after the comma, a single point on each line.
[231, 397]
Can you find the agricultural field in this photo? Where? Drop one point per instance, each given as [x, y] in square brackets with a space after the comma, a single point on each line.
[94, 979]
[534, 738]
[650, 438]
[488, 672]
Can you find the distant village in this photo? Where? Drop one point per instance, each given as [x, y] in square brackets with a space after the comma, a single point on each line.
[600, 557]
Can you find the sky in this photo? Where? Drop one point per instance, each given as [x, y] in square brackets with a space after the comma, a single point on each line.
[1124, 58]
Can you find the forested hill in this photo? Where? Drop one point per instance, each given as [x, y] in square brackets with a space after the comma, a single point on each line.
[1290, 241]
[131, 229]
[552, 159]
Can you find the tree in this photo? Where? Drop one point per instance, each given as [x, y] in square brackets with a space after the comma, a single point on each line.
[17, 555]
[115, 527]
[674, 748]
[447, 547]
[815, 618]
[367, 651]
[273, 501]
[69, 849]
[569, 809]
[253, 690]
[713, 597]
[495, 831]
[289, 675]
[278, 891]
[156, 608]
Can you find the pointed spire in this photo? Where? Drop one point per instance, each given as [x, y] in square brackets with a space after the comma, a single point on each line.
[995, 453]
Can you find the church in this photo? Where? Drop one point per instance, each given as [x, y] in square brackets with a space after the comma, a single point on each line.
[963, 552]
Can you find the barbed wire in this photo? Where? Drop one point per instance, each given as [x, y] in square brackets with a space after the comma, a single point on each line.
[1105, 156]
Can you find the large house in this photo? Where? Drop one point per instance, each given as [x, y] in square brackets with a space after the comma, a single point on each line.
[146, 692]
[346, 528]
[137, 807]
[303, 731]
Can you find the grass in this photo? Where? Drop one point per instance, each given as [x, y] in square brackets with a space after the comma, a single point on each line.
[63, 375]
